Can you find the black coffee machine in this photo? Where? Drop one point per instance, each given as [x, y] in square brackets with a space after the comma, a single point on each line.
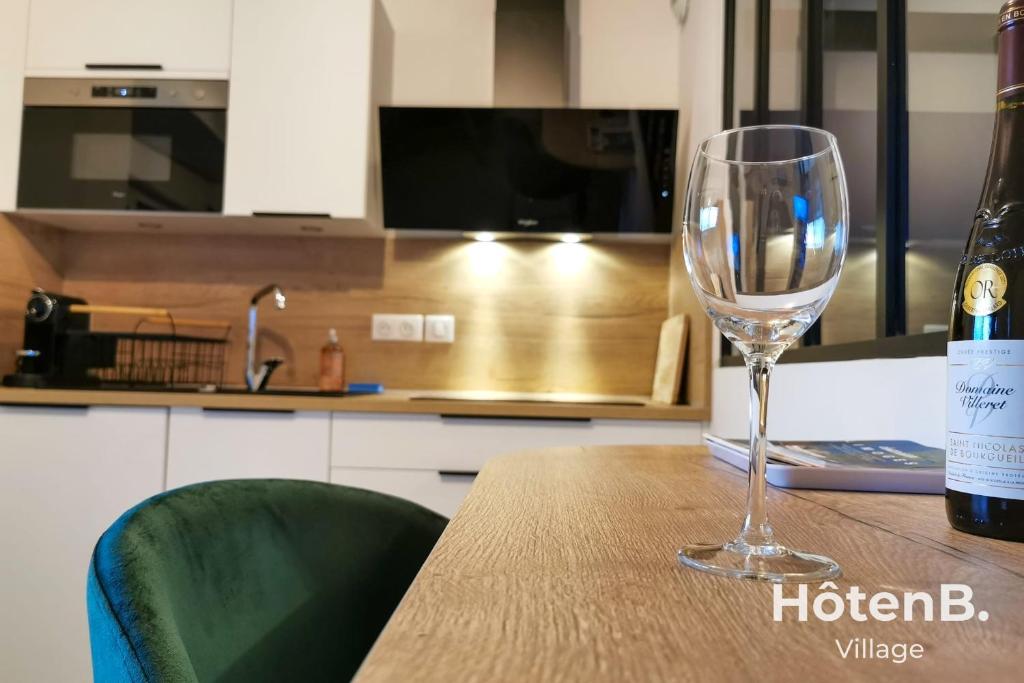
[58, 348]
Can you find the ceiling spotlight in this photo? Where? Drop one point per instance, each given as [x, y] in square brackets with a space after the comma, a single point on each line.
[570, 238]
[484, 236]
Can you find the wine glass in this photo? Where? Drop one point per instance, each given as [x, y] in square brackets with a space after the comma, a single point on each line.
[764, 237]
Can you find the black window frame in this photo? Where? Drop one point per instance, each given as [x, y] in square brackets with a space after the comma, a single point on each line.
[893, 140]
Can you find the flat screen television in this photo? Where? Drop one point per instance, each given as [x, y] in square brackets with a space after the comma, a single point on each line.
[528, 170]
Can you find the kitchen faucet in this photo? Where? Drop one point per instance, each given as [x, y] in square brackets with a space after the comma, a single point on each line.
[255, 379]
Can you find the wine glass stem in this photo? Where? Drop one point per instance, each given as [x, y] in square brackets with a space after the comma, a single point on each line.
[756, 529]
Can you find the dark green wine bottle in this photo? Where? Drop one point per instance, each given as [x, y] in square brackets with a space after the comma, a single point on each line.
[985, 416]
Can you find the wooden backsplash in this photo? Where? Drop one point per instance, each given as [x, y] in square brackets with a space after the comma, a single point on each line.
[529, 316]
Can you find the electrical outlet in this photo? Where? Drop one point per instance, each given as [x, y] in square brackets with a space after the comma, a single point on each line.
[397, 327]
[440, 328]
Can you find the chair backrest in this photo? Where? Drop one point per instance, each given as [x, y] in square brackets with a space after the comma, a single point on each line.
[251, 580]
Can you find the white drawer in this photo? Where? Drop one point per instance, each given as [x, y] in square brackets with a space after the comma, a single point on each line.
[466, 443]
[441, 492]
[204, 445]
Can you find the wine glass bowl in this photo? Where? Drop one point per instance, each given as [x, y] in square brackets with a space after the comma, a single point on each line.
[765, 231]
[764, 239]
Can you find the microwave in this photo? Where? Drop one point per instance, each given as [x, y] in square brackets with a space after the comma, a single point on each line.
[123, 145]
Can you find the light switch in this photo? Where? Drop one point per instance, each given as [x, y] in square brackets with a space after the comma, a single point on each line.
[440, 329]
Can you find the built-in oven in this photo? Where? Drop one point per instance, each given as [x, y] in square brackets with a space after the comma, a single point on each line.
[123, 145]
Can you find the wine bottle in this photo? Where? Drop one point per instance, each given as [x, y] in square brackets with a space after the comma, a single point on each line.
[985, 415]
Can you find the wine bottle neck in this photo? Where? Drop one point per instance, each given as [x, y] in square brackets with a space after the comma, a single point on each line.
[1004, 182]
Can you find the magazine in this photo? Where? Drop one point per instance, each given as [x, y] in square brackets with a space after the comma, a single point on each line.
[895, 466]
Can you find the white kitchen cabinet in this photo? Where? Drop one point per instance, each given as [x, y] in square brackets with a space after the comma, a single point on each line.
[466, 443]
[13, 23]
[204, 445]
[430, 459]
[300, 106]
[65, 475]
[184, 38]
[441, 492]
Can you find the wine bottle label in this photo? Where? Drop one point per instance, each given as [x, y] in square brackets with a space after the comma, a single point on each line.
[1010, 15]
[984, 290]
[1010, 72]
[985, 418]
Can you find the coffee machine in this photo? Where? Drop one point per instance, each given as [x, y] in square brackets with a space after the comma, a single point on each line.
[58, 348]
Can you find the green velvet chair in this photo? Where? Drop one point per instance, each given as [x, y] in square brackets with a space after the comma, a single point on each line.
[251, 580]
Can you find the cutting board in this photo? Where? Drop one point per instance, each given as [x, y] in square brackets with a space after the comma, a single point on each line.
[668, 370]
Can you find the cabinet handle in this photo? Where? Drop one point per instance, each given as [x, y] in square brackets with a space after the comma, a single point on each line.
[462, 474]
[511, 418]
[82, 407]
[272, 411]
[95, 66]
[290, 214]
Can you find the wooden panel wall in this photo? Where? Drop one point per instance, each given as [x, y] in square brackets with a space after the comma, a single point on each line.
[529, 316]
[29, 257]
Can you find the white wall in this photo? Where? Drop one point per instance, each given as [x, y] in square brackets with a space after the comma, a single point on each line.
[864, 399]
[700, 76]
[619, 54]
[443, 52]
[626, 53]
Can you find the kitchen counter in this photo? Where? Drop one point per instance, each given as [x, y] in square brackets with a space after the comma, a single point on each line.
[482, 404]
[561, 565]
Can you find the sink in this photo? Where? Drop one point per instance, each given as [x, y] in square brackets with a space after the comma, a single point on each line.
[276, 392]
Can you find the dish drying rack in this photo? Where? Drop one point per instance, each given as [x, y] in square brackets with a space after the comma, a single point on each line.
[148, 356]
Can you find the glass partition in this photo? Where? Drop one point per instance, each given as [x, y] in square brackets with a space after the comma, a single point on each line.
[908, 89]
[951, 73]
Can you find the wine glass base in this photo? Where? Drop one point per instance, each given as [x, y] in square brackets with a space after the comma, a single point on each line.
[773, 563]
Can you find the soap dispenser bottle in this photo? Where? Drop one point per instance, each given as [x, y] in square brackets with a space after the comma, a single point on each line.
[332, 364]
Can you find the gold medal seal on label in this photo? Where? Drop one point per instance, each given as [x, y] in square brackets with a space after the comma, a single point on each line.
[984, 290]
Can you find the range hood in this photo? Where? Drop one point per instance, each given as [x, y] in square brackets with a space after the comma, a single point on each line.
[528, 171]
[533, 45]
[532, 164]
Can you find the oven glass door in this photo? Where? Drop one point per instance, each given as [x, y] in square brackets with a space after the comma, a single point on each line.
[122, 158]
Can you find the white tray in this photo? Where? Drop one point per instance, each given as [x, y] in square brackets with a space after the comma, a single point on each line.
[840, 478]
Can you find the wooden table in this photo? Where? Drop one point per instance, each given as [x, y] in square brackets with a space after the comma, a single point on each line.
[561, 565]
